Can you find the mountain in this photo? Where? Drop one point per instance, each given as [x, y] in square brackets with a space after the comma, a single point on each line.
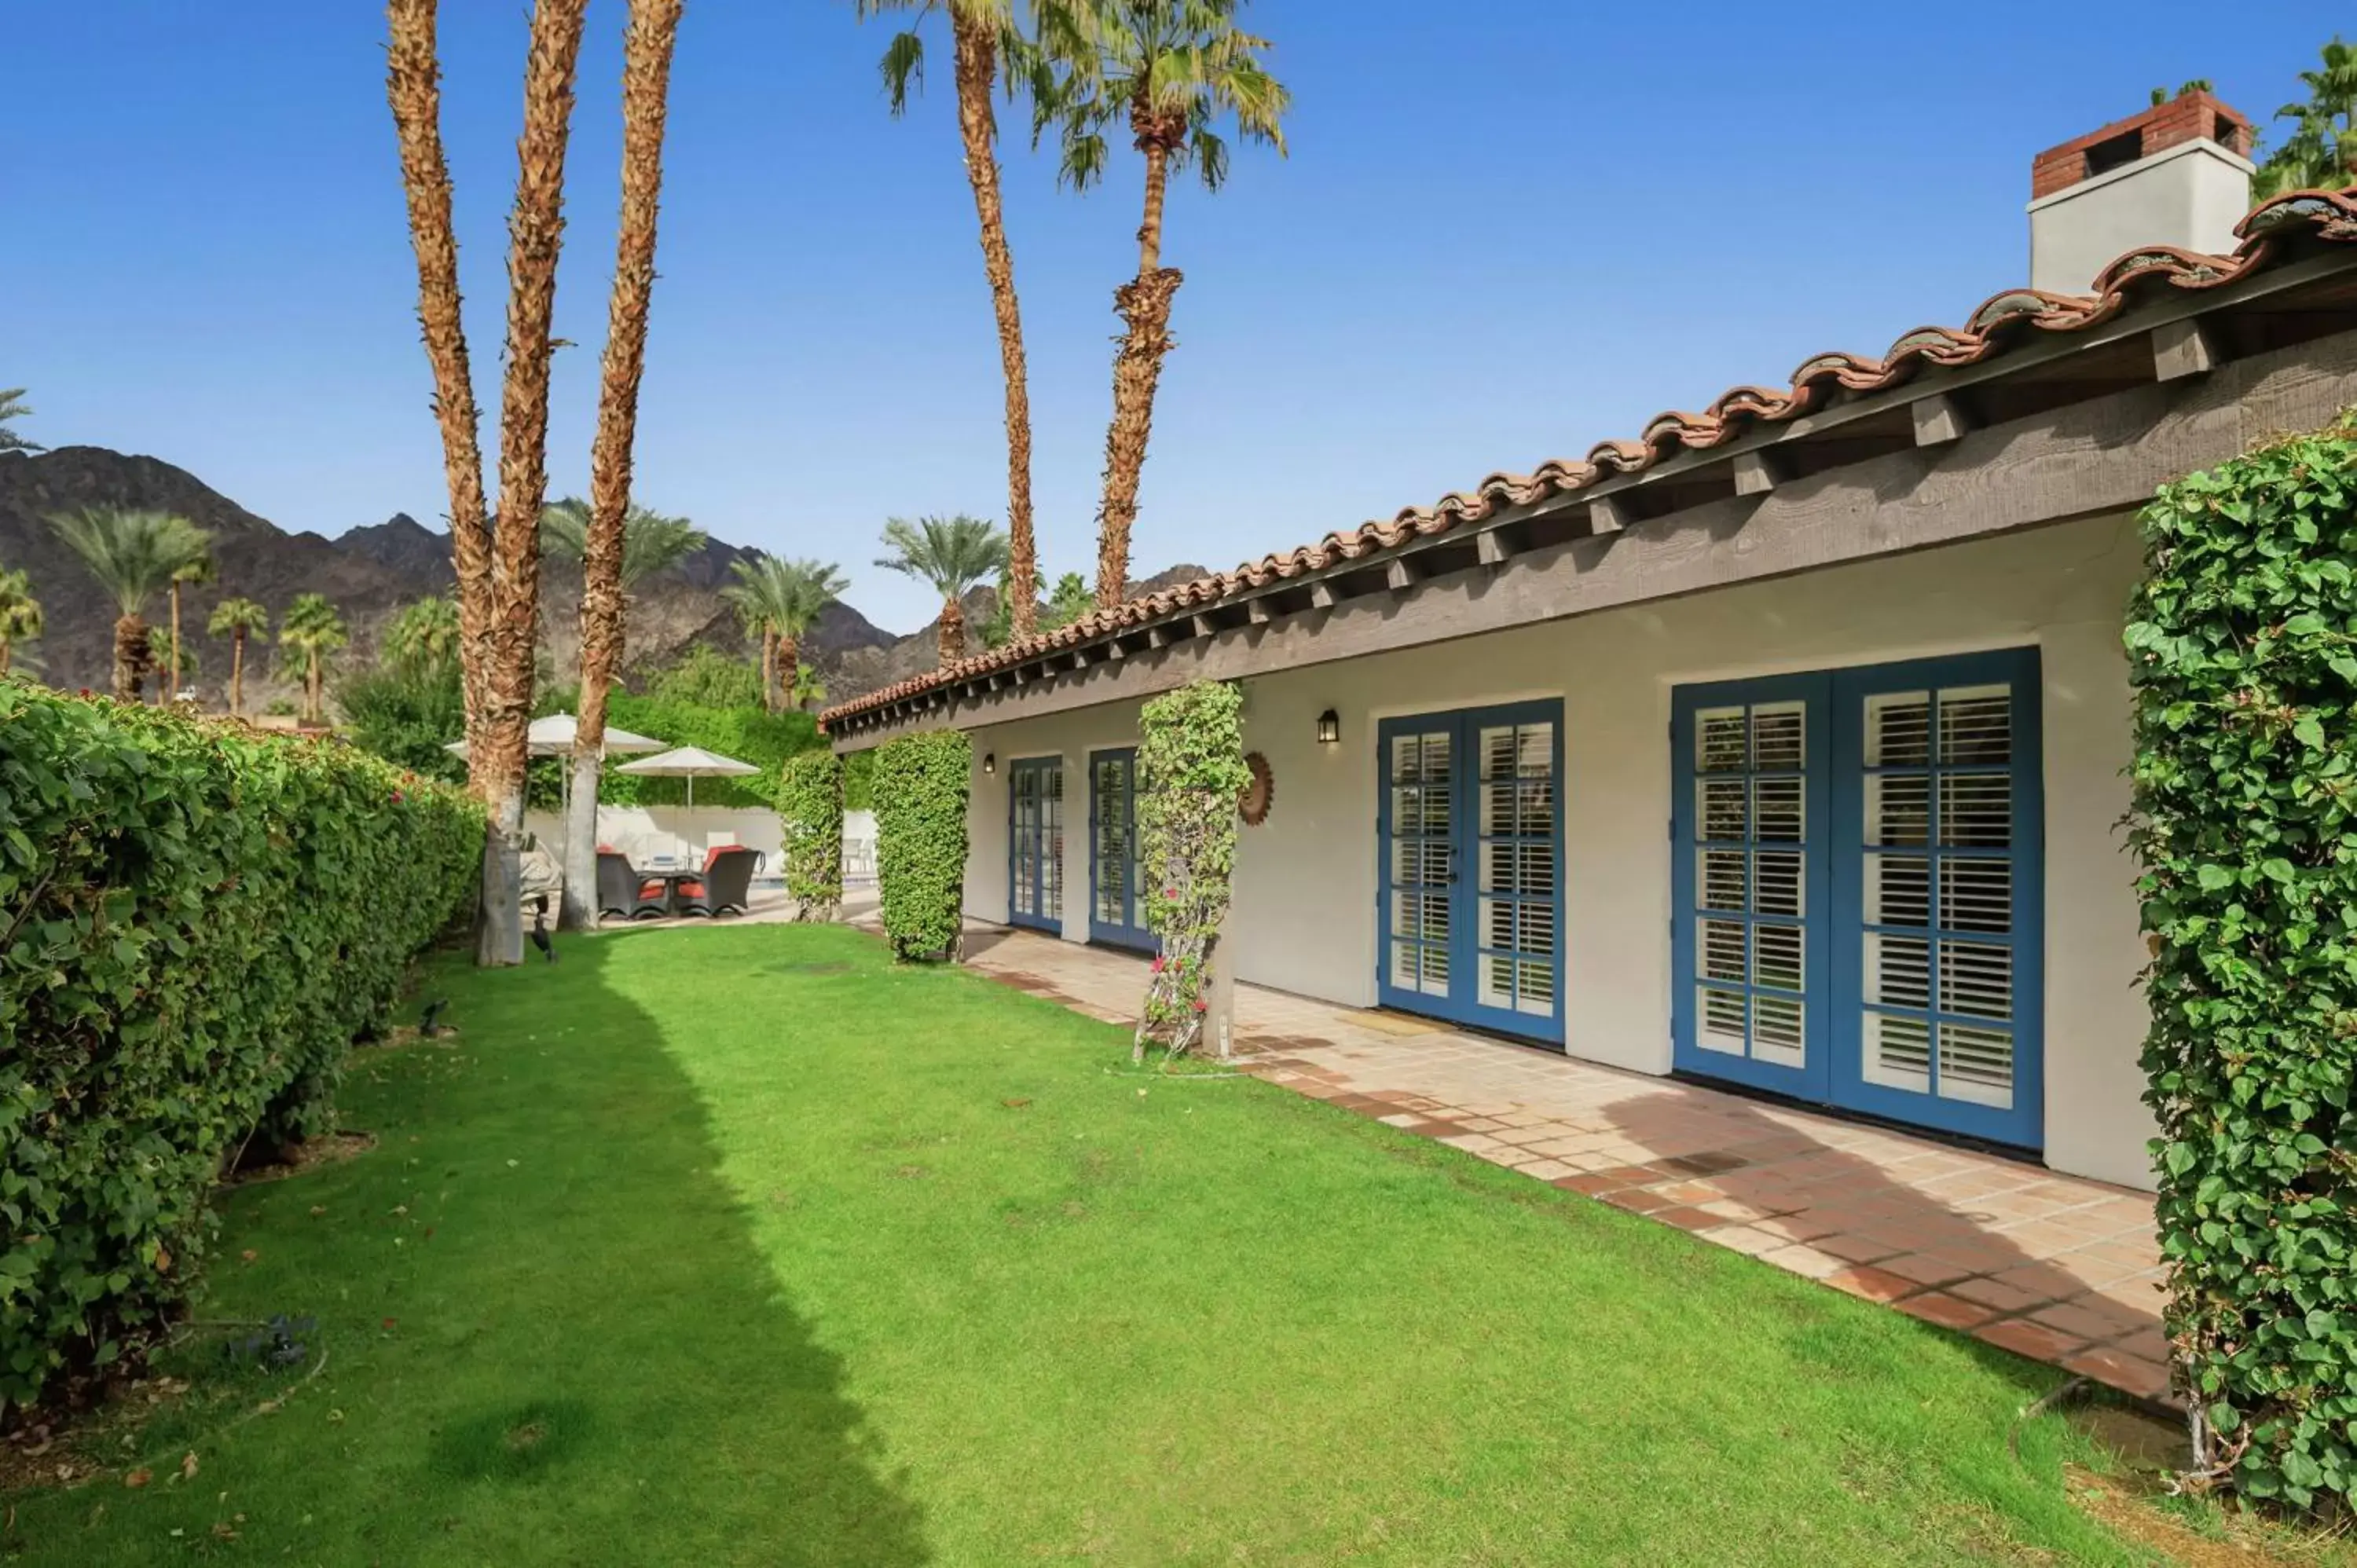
[367, 573]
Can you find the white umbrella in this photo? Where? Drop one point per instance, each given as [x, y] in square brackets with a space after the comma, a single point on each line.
[553, 734]
[690, 763]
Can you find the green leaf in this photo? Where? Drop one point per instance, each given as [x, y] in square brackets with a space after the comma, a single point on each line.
[2214, 878]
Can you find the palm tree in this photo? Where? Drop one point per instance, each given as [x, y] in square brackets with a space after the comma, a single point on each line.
[238, 619]
[498, 568]
[1172, 69]
[12, 406]
[808, 691]
[20, 615]
[422, 636]
[780, 599]
[134, 554]
[650, 541]
[748, 594]
[199, 570]
[2320, 154]
[982, 33]
[312, 631]
[608, 538]
[955, 554]
[177, 664]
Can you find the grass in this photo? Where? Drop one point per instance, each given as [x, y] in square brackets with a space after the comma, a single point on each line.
[742, 1246]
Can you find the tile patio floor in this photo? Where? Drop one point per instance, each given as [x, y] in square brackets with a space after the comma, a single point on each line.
[2056, 1268]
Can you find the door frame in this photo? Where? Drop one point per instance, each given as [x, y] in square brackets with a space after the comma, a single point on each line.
[1833, 1074]
[1134, 934]
[1017, 766]
[1464, 945]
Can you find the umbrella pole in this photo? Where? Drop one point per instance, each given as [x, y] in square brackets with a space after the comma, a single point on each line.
[691, 810]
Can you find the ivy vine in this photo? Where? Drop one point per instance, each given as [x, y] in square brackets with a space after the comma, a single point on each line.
[810, 813]
[2243, 645]
[1191, 763]
[921, 788]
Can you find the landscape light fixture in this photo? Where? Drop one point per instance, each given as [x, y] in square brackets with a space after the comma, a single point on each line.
[1329, 728]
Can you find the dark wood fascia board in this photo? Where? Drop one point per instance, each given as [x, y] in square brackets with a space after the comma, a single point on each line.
[2107, 454]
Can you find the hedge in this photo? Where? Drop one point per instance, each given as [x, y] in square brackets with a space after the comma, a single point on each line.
[2243, 645]
[921, 782]
[749, 734]
[1190, 765]
[810, 813]
[196, 920]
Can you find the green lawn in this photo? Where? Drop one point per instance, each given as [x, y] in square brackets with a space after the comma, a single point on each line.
[742, 1246]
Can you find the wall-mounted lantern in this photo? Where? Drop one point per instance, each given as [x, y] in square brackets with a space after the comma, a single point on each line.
[1329, 728]
[990, 762]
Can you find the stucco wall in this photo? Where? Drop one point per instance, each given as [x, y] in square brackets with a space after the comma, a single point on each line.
[2190, 195]
[646, 832]
[1305, 914]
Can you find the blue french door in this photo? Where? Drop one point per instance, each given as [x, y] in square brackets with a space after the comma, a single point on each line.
[1469, 833]
[1859, 890]
[1035, 843]
[1117, 874]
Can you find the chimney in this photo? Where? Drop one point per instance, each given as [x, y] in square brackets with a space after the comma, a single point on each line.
[2178, 173]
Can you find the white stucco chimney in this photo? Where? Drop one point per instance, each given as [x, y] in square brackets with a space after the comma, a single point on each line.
[2178, 173]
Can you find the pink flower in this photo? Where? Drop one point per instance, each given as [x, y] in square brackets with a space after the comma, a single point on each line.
[1201, 1004]
[1171, 892]
[396, 796]
[1158, 963]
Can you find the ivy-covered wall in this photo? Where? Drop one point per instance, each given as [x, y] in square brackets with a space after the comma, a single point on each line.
[196, 920]
[921, 787]
[2243, 648]
[766, 740]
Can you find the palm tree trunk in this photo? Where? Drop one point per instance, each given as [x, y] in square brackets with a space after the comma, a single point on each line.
[1143, 307]
[311, 706]
[412, 86]
[535, 236]
[790, 663]
[237, 672]
[130, 656]
[646, 84]
[951, 646]
[7, 651]
[768, 668]
[172, 676]
[977, 67]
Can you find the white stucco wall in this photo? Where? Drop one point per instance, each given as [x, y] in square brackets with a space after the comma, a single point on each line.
[1306, 881]
[645, 832]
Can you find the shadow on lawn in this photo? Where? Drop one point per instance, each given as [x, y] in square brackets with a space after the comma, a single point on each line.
[639, 1326]
[1933, 1255]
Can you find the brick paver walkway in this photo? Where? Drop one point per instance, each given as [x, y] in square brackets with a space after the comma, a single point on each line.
[2051, 1267]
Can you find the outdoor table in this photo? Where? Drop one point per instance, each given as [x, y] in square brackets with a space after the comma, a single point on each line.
[670, 878]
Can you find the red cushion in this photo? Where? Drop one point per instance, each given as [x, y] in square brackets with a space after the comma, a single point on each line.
[716, 852]
[691, 889]
[650, 889]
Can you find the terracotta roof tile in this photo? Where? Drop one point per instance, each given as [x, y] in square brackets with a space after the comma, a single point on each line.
[2002, 322]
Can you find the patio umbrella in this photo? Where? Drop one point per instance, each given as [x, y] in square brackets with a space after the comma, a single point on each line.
[552, 735]
[690, 763]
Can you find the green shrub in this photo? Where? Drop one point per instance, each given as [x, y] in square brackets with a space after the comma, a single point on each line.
[2243, 644]
[708, 677]
[1190, 766]
[922, 781]
[749, 734]
[408, 715]
[859, 781]
[809, 810]
[196, 920]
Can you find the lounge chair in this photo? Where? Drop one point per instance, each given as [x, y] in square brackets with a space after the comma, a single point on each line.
[727, 886]
[622, 891]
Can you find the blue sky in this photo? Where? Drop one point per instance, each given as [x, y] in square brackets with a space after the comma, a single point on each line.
[1506, 231]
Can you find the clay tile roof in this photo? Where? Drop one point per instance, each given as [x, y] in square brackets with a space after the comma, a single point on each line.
[2001, 322]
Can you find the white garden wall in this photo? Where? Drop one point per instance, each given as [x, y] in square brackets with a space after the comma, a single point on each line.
[1306, 888]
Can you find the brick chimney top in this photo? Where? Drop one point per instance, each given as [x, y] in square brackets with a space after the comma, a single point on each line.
[2190, 117]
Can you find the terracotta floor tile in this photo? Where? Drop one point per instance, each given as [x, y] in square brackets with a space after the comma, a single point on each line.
[1923, 1268]
[1804, 1260]
[2034, 1340]
[1872, 1283]
[1743, 1239]
[1947, 1311]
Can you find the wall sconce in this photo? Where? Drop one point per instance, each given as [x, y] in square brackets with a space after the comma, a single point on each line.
[1329, 728]
[990, 762]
